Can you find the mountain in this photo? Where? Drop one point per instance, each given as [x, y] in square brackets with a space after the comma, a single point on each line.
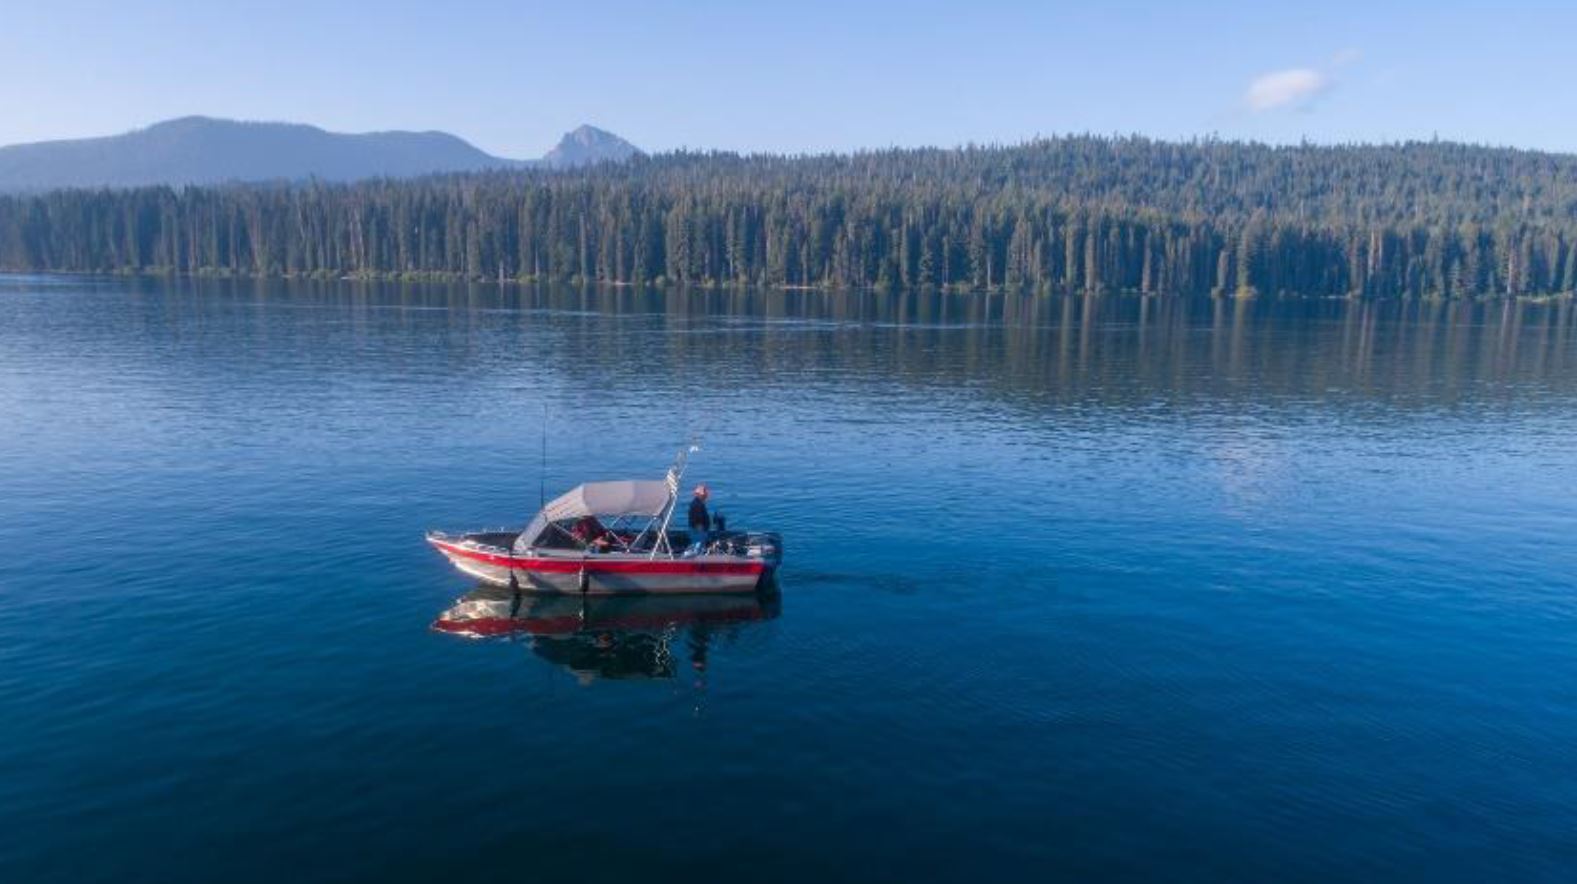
[587, 146]
[204, 150]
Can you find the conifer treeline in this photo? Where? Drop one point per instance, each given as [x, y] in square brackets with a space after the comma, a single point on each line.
[1067, 214]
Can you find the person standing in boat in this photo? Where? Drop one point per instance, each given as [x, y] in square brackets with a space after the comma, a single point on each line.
[700, 520]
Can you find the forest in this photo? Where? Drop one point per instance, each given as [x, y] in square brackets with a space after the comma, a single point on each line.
[1067, 214]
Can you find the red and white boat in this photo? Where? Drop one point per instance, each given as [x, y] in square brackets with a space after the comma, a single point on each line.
[614, 538]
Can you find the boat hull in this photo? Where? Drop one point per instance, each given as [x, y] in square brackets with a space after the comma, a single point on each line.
[608, 574]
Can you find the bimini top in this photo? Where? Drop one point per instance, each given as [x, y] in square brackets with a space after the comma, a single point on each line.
[628, 497]
[625, 497]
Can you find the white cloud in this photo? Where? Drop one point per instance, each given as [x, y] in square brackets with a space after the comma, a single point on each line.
[1294, 87]
[1345, 57]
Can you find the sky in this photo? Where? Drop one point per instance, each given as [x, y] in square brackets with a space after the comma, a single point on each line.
[806, 76]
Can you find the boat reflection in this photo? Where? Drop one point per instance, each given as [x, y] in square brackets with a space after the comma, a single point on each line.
[608, 637]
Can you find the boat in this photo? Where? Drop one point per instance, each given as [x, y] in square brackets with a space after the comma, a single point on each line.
[614, 538]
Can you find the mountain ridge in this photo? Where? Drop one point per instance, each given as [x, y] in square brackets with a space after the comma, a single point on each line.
[210, 150]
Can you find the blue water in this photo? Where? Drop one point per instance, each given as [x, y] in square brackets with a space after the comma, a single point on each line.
[1094, 589]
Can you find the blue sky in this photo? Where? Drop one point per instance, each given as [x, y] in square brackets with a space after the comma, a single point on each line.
[804, 76]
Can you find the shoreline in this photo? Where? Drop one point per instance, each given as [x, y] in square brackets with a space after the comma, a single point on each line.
[713, 286]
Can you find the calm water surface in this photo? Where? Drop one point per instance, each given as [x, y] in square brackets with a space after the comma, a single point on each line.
[1086, 588]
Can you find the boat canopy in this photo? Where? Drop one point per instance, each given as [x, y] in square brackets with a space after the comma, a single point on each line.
[625, 497]
[628, 497]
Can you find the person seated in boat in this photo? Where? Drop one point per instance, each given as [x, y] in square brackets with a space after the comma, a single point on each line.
[591, 534]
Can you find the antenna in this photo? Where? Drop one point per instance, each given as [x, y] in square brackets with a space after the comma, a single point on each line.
[542, 474]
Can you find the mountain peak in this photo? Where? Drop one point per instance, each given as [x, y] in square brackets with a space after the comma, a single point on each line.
[586, 145]
[206, 150]
[191, 120]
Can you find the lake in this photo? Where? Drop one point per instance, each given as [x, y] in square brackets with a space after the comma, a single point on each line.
[1093, 588]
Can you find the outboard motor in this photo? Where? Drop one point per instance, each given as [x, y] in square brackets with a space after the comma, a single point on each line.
[766, 544]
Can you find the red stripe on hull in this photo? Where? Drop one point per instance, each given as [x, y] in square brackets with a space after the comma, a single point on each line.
[599, 565]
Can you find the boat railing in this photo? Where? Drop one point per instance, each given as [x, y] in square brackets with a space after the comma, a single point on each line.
[468, 540]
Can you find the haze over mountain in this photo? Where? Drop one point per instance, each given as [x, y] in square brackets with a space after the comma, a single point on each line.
[205, 150]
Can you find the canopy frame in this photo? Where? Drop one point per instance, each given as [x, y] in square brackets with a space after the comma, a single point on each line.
[619, 501]
[671, 480]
